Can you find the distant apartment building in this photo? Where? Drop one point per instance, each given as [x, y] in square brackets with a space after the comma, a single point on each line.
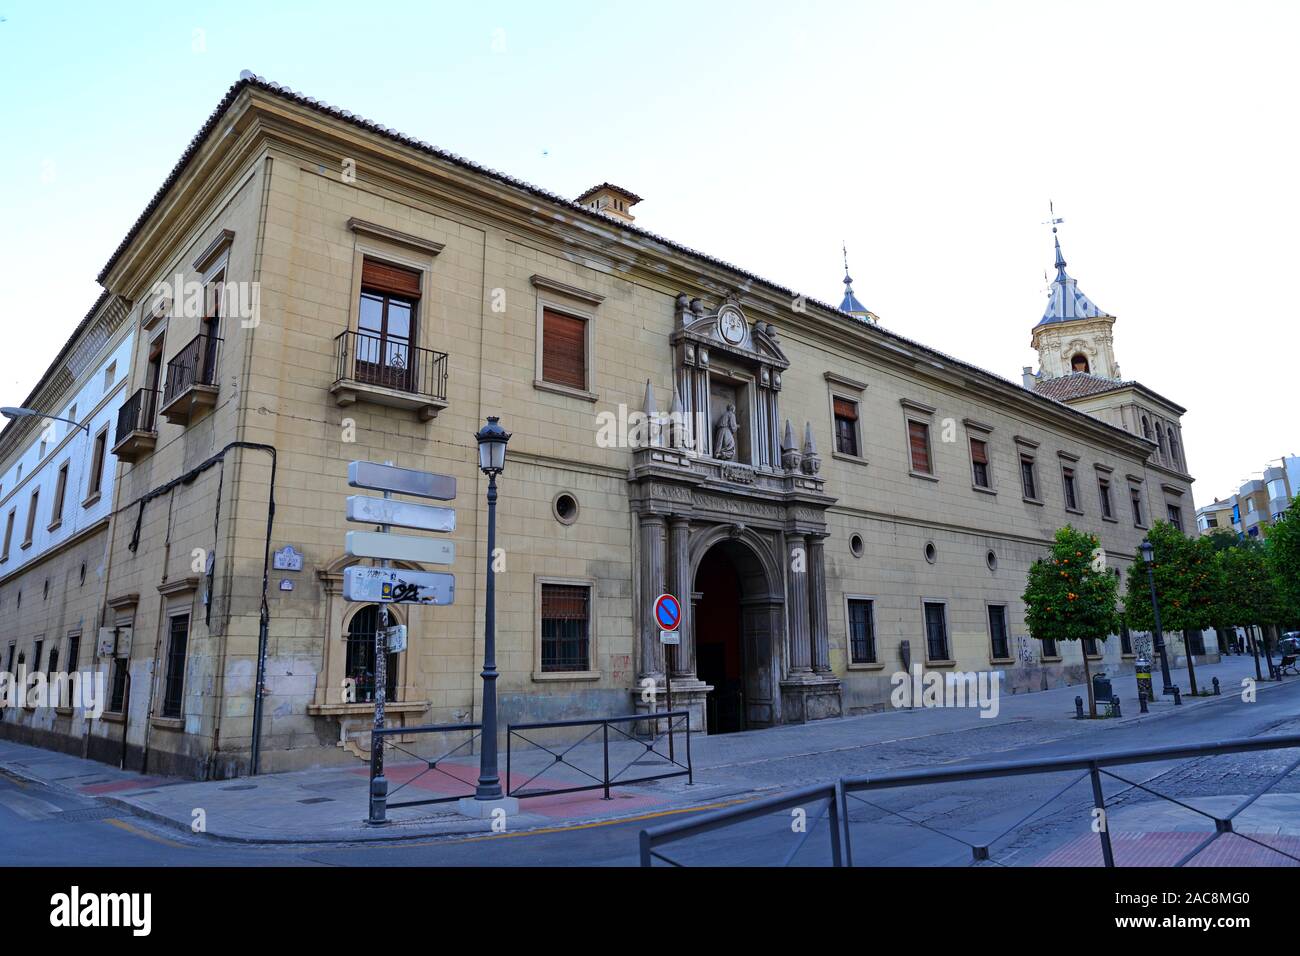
[1258, 502]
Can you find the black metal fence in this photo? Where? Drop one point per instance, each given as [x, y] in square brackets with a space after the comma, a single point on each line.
[660, 741]
[139, 413]
[374, 360]
[195, 364]
[847, 792]
[382, 741]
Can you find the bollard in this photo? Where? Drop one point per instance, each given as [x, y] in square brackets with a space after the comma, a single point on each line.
[1078, 707]
[1142, 702]
[1114, 706]
[1217, 690]
[1178, 697]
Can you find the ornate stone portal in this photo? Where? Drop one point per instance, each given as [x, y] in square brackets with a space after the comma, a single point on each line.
[721, 480]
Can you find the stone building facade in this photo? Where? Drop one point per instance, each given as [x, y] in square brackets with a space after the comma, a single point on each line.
[828, 498]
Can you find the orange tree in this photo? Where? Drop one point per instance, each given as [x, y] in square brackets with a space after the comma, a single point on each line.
[1070, 596]
[1186, 576]
[1283, 540]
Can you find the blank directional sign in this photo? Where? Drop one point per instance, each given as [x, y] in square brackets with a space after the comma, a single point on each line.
[396, 586]
[401, 481]
[399, 547]
[401, 514]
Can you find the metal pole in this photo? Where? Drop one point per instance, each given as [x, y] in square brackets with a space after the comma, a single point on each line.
[1160, 635]
[489, 783]
[378, 782]
[604, 730]
[1099, 801]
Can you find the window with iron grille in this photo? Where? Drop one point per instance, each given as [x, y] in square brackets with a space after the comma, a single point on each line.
[117, 699]
[1194, 641]
[36, 656]
[174, 682]
[846, 426]
[979, 462]
[1028, 480]
[1090, 647]
[566, 627]
[936, 631]
[862, 632]
[1001, 645]
[1049, 647]
[360, 663]
[1125, 639]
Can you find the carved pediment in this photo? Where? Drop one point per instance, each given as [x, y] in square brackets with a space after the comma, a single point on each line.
[728, 330]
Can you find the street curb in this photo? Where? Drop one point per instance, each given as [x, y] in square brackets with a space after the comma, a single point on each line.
[390, 834]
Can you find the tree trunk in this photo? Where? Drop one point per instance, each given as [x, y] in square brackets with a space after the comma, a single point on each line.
[1191, 668]
[1087, 679]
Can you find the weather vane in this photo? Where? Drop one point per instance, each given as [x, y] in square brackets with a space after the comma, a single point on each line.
[1055, 220]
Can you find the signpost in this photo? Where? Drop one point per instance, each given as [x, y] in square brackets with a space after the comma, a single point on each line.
[385, 585]
[668, 615]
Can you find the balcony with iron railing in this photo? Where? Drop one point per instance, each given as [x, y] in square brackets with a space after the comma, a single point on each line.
[375, 369]
[191, 380]
[137, 425]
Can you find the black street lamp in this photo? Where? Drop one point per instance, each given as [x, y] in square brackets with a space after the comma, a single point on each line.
[1148, 556]
[15, 412]
[492, 439]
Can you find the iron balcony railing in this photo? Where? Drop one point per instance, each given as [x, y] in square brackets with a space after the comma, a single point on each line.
[834, 803]
[195, 364]
[139, 413]
[374, 360]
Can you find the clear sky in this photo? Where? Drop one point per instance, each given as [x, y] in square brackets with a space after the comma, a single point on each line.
[927, 135]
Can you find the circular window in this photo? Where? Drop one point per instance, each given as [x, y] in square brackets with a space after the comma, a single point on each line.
[931, 552]
[991, 559]
[856, 546]
[565, 507]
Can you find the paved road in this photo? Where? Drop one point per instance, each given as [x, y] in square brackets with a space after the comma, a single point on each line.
[39, 825]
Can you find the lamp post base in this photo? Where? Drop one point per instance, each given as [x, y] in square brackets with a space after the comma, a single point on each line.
[486, 809]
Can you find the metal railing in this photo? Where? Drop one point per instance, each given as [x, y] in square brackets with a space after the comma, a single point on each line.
[373, 360]
[578, 760]
[381, 741]
[195, 364]
[1091, 767]
[139, 413]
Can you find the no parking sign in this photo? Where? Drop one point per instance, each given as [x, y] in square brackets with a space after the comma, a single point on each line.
[668, 615]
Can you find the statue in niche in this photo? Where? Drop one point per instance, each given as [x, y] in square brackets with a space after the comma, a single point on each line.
[724, 438]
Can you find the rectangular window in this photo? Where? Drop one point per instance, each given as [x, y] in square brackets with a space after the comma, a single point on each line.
[862, 632]
[74, 652]
[97, 464]
[1125, 640]
[979, 463]
[9, 534]
[1071, 494]
[1194, 641]
[110, 374]
[1049, 648]
[1212, 522]
[1175, 516]
[1090, 647]
[846, 426]
[60, 492]
[117, 697]
[918, 438]
[31, 517]
[564, 349]
[1135, 496]
[1000, 643]
[566, 627]
[386, 325]
[1103, 492]
[1028, 480]
[936, 631]
[174, 683]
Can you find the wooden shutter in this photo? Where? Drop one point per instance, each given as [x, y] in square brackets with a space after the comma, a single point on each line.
[919, 437]
[394, 280]
[846, 409]
[979, 452]
[564, 349]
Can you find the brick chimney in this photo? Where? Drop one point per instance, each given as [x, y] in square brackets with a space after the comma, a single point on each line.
[611, 200]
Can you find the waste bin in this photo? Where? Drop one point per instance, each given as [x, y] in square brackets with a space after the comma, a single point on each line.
[1101, 689]
[1143, 668]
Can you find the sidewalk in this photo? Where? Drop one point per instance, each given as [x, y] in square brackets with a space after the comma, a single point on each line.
[330, 805]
